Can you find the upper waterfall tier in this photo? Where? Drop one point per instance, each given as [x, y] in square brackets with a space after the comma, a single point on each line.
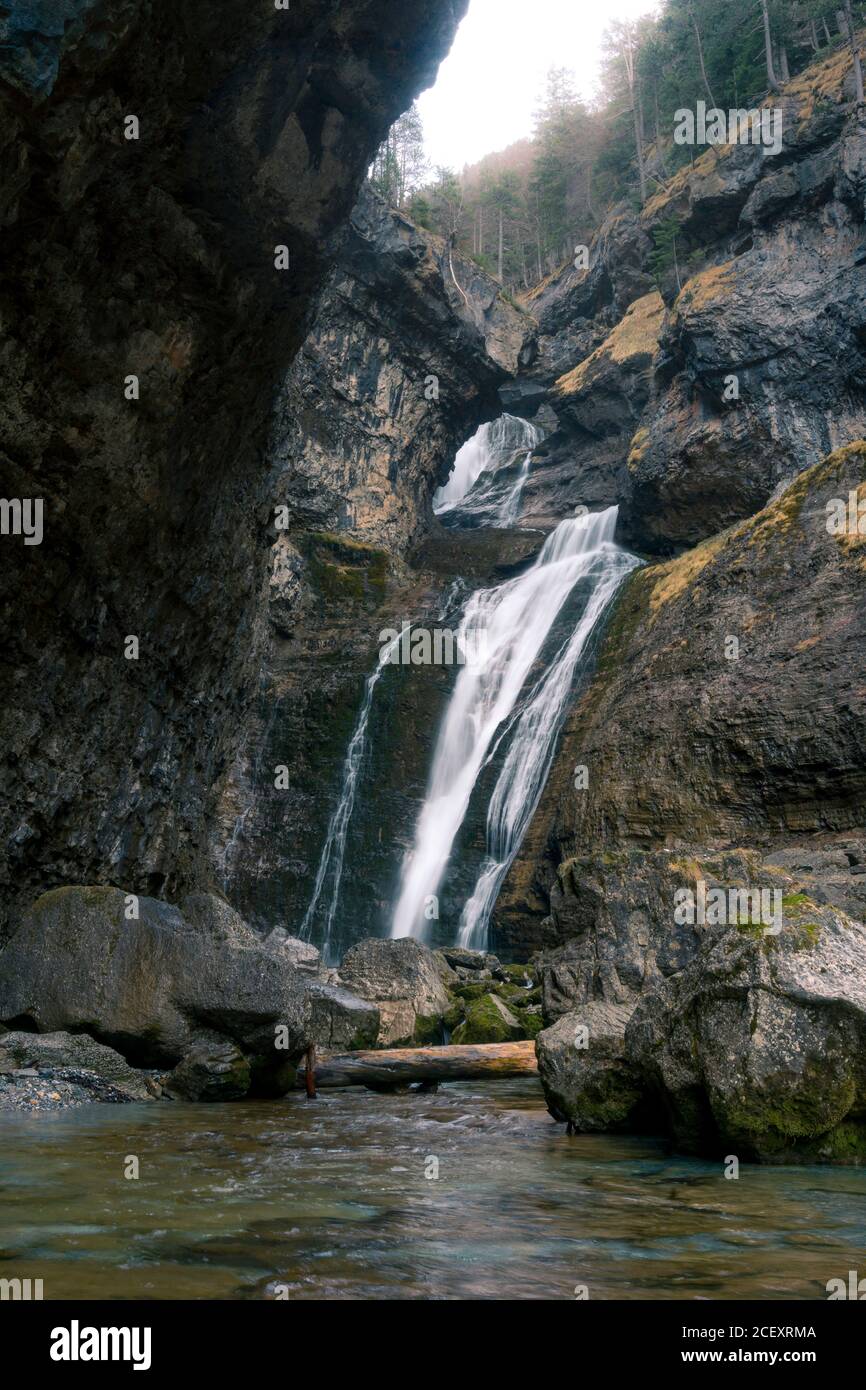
[486, 482]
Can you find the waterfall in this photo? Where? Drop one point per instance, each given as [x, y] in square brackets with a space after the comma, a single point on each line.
[530, 753]
[481, 487]
[517, 617]
[510, 509]
[334, 850]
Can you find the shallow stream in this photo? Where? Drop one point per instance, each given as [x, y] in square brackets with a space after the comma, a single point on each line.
[331, 1199]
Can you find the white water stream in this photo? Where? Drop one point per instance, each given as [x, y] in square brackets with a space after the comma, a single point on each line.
[486, 705]
[481, 486]
[512, 695]
[334, 852]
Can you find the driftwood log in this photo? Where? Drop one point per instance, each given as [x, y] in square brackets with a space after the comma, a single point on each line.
[400, 1066]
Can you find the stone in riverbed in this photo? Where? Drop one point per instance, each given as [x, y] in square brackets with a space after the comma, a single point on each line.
[154, 985]
[757, 1047]
[71, 1051]
[213, 1069]
[403, 978]
[583, 1068]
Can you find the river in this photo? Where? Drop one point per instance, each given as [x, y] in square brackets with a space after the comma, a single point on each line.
[331, 1199]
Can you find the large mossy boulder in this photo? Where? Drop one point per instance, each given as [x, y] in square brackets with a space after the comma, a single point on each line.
[404, 979]
[758, 1048]
[583, 1068]
[152, 980]
[488, 1020]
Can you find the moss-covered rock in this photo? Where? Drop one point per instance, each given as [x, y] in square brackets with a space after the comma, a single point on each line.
[429, 1031]
[522, 975]
[455, 1015]
[531, 1024]
[758, 1052]
[470, 990]
[488, 1020]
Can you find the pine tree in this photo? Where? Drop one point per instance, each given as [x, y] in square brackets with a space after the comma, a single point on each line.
[664, 257]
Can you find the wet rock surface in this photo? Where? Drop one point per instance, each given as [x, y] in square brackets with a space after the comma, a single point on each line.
[50, 1071]
[154, 258]
[158, 986]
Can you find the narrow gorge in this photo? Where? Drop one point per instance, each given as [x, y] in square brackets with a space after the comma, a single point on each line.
[424, 669]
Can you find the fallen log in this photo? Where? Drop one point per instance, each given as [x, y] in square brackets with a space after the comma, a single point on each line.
[400, 1066]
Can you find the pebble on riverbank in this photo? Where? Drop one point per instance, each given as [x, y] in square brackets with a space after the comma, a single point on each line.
[35, 1091]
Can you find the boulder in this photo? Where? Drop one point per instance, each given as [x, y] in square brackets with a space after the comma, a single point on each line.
[523, 396]
[153, 985]
[303, 955]
[341, 1020]
[404, 979]
[55, 1052]
[756, 1048]
[583, 1068]
[488, 1020]
[447, 975]
[213, 1069]
[461, 958]
[397, 1021]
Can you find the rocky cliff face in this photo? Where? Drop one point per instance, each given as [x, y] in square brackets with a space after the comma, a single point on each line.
[689, 411]
[408, 348]
[154, 160]
[772, 302]
[717, 739]
[409, 345]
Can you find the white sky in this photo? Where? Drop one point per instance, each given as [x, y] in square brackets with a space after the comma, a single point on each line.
[490, 83]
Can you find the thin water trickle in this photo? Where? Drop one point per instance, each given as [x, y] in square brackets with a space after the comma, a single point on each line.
[334, 851]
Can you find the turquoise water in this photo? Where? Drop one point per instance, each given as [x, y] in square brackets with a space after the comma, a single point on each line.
[331, 1199]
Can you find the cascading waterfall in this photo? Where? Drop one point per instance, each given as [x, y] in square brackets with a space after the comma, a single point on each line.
[530, 752]
[510, 698]
[516, 618]
[334, 851]
[481, 488]
[510, 509]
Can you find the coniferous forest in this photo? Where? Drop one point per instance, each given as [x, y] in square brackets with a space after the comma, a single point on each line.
[518, 211]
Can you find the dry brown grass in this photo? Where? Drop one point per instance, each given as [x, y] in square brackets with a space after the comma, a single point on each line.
[708, 287]
[675, 576]
[636, 334]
